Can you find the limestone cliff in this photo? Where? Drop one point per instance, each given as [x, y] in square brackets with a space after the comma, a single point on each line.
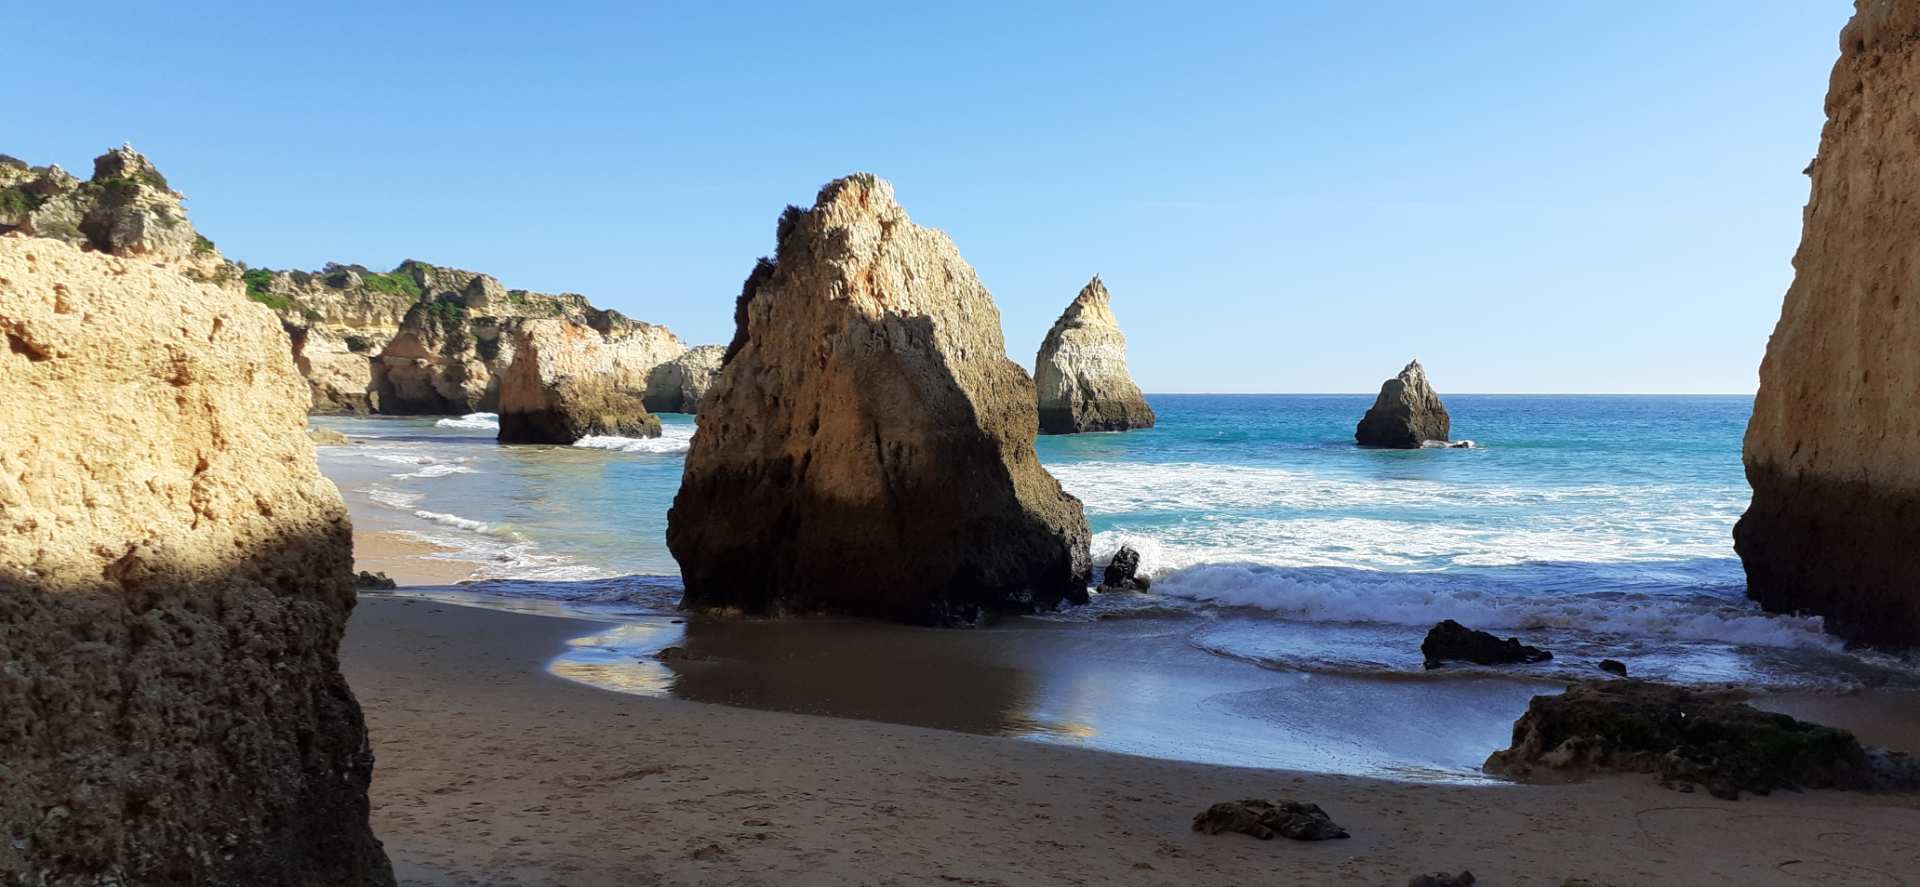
[1081, 372]
[868, 448]
[569, 378]
[678, 385]
[1833, 448]
[174, 582]
[126, 209]
[1406, 415]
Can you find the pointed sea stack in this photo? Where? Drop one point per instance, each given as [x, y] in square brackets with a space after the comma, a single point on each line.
[1406, 414]
[1081, 372]
[868, 448]
[1833, 448]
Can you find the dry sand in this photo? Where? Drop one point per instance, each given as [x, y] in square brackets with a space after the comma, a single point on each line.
[491, 771]
[407, 560]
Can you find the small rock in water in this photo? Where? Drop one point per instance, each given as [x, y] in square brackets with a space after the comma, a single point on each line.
[1449, 640]
[673, 654]
[1442, 879]
[1122, 573]
[1264, 819]
[1614, 666]
[364, 579]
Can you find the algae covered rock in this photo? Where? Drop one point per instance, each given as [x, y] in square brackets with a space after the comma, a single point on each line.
[868, 448]
[1833, 447]
[1406, 415]
[1080, 375]
[1689, 737]
[175, 578]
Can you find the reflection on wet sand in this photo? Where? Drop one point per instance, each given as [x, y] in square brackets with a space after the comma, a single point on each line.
[1136, 686]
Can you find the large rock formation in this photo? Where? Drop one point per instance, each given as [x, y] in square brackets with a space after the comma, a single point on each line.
[868, 447]
[572, 378]
[1406, 415]
[1080, 375]
[174, 582]
[1833, 448]
[126, 209]
[678, 385]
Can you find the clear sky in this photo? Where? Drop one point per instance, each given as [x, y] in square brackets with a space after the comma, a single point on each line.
[1527, 196]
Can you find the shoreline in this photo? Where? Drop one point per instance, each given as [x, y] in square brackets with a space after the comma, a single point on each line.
[492, 771]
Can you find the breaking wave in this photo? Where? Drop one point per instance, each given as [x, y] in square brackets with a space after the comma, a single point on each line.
[473, 422]
[672, 439]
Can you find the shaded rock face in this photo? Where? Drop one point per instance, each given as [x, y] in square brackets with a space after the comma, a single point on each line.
[677, 385]
[1406, 414]
[1080, 376]
[1688, 737]
[174, 582]
[1450, 641]
[1123, 572]
[339, 379]
[868, 448]
[570, 378]
[1833, 447]
[443, 361]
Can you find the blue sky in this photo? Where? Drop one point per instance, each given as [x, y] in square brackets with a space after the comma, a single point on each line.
[1538, 197]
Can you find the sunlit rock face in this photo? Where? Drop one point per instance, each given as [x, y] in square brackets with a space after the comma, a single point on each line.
[174, 582]
[571, 378]
[1080, 375]
[678, 385]
[1833, 448]
[868, 448]
[1406, 415]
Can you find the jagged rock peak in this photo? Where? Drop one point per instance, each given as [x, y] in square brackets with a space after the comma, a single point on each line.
[1832, 449]
[1080, 375]
[1406, 415]
[127, 209]
[868, 448]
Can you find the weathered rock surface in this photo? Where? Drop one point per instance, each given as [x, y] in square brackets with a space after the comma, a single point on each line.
[678, 385]
[868, 448]
[1450, 641]
[1688, 737]
[1123, 572]
[1443, 879]
[1833, 447]
[573, 378]
[1080, 375]
[1406, 415]
[175, 577]
[1265, 819]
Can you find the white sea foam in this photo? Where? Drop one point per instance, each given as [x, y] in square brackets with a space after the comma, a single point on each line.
[391, 498]
[1416, 599]
[437, 469]
[460, 523]
[672, 439]
[473, 422]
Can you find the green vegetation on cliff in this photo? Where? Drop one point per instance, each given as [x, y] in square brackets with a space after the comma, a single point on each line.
[258, 280]
[393, 283]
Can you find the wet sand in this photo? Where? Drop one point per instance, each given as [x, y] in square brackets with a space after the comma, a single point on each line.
[494, 771]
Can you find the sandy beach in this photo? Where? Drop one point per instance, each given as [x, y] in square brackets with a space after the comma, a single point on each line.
[492, 771]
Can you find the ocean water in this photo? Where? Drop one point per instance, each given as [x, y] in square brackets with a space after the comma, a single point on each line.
[1596, 526]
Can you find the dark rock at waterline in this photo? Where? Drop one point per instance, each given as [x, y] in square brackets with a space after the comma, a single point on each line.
[1265, 819]
[1442, 879]
[1688, 737]
[1406, 415]
[1614, 666]
[1123, 572]
[1451, 641]
[375, 581]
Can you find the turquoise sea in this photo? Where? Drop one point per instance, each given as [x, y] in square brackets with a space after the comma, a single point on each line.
[1596, 526]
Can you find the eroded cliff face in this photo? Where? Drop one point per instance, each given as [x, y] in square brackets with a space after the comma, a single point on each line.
[1833, 448]
[678, 385]
[175, 577]
[574, 377]
[868, 448]
[1081, 372]
[1406, 414]
[126, 209]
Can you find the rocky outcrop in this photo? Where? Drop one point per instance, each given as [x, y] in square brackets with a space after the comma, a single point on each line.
[1080, 376]
[175, 577]
[1123, 572]
[1406, 415]
[1449, 641]
[1833, 447]
[677, 385]
[570, 379]
[868, 448]
[1689, 737]
[126, 209]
